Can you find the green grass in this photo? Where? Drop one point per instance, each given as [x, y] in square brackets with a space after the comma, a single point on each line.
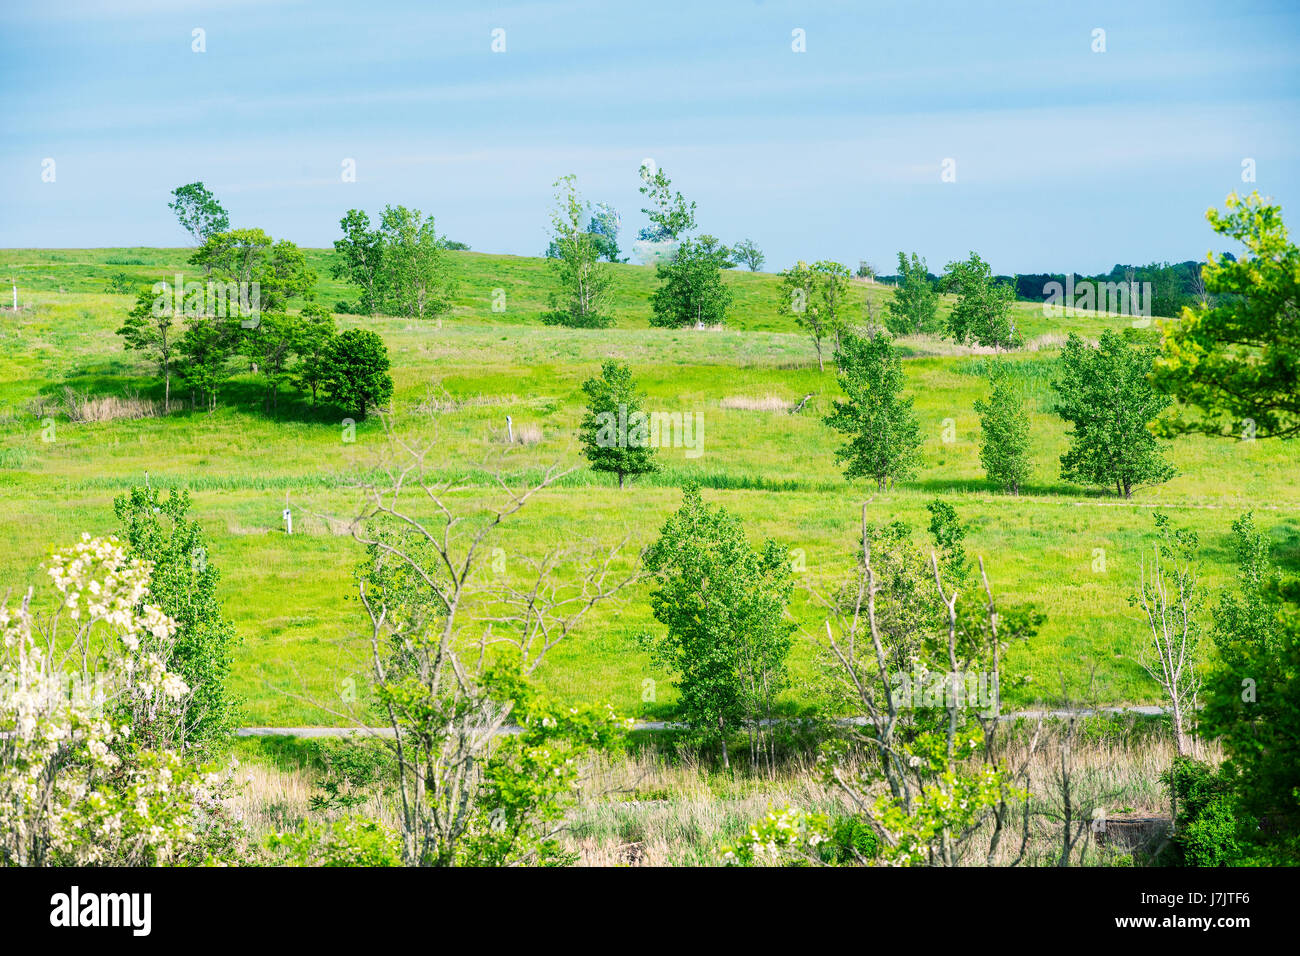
[290, 597]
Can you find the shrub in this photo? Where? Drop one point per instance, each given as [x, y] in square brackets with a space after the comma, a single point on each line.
[1207, 828]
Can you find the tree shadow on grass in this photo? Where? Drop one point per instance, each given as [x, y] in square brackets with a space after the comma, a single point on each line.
[245, 393]
[979, 486]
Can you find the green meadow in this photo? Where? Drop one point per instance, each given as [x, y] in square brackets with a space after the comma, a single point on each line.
[1073, 551]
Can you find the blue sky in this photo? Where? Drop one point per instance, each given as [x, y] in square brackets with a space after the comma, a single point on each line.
[1065, 158]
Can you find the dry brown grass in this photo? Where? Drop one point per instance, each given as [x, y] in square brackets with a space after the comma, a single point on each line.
[768, 403]
[652, 808]
[107, 408]
[525, 434]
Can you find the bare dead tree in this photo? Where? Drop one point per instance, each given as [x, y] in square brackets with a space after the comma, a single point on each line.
[1167, 595]
[431, 675]
[871, 661]
[536, 616]
[1199, 292]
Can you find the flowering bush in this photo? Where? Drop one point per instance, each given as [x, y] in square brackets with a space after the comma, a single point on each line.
[785, 835]
[76, 685]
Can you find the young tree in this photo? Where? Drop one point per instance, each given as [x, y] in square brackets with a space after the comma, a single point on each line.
[584, 282]
[356, 371]
[183, 585]
[914, 306]
[466, 794]
[1235, 359]
[983, 312]
[312, 344]
[1170, 598]
[949, 537]
[723, 604]
[416, 273]
[198, 212]
[670, 215]
[1004, 426]
[359, 259]
[1106, 395]
[882, 434]
[934, 784]
[797, 285]
[747, 253]
[615, 432]
[150, 328]
[816, 296]
[691, 291]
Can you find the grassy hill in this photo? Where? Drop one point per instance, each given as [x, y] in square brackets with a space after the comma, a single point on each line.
[457, 378]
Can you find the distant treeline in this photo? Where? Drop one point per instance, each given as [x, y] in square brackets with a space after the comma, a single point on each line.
[1173, 285]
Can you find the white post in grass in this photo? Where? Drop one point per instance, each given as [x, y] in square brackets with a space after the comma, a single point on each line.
[15, 282]
[510, 429]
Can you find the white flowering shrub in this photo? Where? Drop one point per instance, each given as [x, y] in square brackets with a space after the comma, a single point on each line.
[79, 686]
[782, 837]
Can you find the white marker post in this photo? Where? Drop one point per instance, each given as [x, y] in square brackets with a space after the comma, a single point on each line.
[510, 429]
[15, 282]
[288, 521]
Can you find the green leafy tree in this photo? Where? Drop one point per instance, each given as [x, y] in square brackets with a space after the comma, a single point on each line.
[1105, 393]
[913, 309]
[723, 604]
[314, 338]
[356, 371]
[1252, 700]
[198, 212]
[604, 226]
[983, 313]
[582, 299]
[691, 291]
[359, 259]
[747, 253]
[712, 247]
[183, 584]
[883, 437]
[416, 272]
[205, 348]
[1233, 359]
[615, 430]
[270, 345]
[949, 536]
[817, 297]
[150, 328]
[670, 215]
[1004, 428]
[277, 270]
